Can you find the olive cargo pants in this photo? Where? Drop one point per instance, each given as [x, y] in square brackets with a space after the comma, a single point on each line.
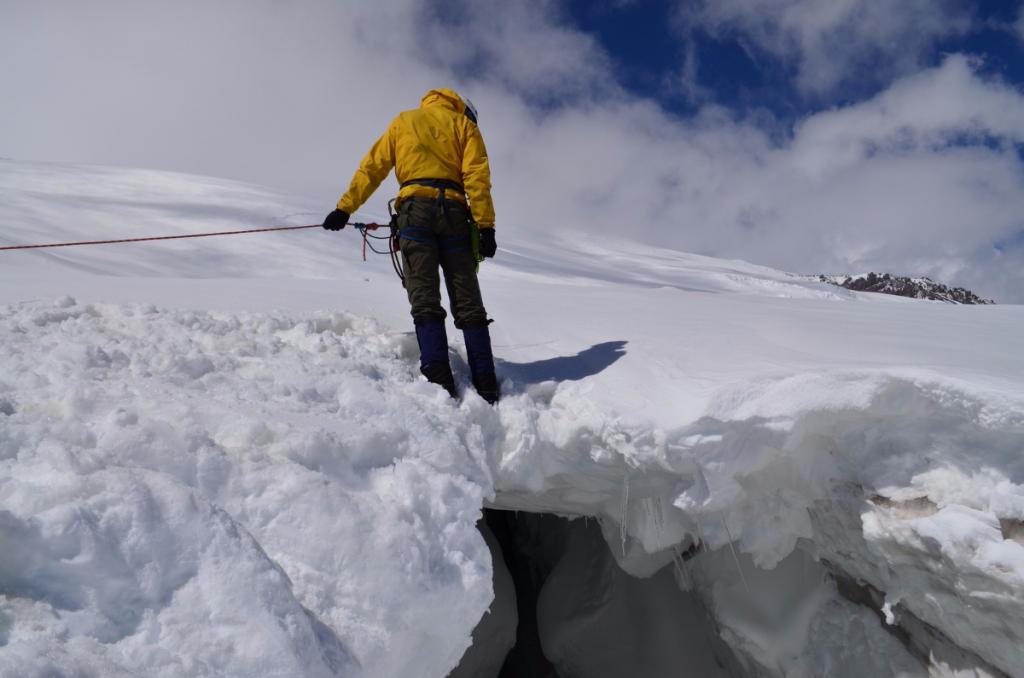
[430, 238]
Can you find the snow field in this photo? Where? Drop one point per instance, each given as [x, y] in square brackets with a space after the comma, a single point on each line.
[195, 482]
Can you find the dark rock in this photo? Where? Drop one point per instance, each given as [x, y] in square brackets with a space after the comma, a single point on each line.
[902, 286]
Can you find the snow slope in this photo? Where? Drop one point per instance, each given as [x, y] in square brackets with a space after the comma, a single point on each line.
[217, 457]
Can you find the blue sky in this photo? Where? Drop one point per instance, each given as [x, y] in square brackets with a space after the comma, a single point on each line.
[737, 75]
[644, 66]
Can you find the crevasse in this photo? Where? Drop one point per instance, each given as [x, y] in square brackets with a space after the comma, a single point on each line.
[155, 460]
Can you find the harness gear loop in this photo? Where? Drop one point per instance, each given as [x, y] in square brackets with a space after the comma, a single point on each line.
[393, 250]
[396, 260]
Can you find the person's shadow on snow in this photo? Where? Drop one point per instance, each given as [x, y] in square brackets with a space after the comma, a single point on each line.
[584, 364]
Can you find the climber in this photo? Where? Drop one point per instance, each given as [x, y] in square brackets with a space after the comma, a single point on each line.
[440, 161]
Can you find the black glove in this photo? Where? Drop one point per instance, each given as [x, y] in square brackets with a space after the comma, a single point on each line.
[487, 245]
[336, 220]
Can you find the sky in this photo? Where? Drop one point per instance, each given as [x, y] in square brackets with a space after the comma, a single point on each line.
[834, 136]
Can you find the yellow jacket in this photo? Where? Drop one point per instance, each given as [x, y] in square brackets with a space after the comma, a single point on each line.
[435, 141]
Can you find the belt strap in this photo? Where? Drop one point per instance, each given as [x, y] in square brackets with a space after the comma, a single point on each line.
[440, 184]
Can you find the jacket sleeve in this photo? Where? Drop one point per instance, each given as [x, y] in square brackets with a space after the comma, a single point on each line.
[374, 168]
[476, 177]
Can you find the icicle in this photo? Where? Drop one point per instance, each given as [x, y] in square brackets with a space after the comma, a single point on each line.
[650, 523]
[700, 535]
[734, 556]
[625, 513]
[683, 577]
[656, 511]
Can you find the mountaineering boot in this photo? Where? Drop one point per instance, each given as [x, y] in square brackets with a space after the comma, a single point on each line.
[433, 341]
[440, 374]
[481, 362]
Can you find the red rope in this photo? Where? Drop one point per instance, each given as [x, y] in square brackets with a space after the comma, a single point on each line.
[363, 228]
[160, 237]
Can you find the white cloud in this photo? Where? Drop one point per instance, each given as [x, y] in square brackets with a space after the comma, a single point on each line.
[523, 46]
[830, 42]
[922, 179]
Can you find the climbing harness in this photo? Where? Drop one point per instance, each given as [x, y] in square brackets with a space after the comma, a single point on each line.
[443, 186]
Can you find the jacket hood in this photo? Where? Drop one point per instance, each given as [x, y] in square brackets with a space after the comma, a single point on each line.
[448, 98]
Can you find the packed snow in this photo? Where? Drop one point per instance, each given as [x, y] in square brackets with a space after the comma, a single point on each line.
[217, 457]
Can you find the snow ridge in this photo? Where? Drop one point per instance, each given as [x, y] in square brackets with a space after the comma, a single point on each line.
[168, 471]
